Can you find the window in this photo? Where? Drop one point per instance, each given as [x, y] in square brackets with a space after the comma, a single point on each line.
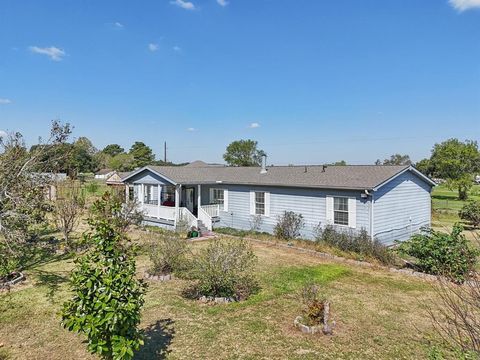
[259, 203]
[149, 195]
[340, 211]
[218, 196]
[168, 196]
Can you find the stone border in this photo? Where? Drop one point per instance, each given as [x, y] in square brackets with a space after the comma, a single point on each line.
[8, 284]
[152, 277]
[216, 300]
[324, 328]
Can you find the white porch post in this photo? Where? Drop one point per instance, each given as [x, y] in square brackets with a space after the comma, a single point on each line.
[177, 203]
[199, 198]
[159, 199]
[142, 198]
[127, 193]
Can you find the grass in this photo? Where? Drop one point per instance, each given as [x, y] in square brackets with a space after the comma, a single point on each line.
[445, 207]
[379, 315]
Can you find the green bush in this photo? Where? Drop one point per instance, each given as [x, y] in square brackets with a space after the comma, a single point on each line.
[441, 253]
[168, 255]
[107, 295]
[225, 268]
[355, 242]
[470, 212]
[289, 225]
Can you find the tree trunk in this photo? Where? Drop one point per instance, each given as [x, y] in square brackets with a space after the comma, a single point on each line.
[462, 193]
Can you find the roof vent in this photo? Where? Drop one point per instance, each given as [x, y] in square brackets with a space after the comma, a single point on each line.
[306, 169]
[324, 167]
[264, 164]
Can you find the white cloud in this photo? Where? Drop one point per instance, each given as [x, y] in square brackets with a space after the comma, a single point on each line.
[191, 129]
[254, 125]
[222, 2]
[462, 5]
[118, 25]
[177, 48]
[152, 47]
[3, 134]
[52, 52]
[4, 101]
[187, 5]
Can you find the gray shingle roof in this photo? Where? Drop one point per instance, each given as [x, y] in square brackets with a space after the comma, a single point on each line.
[333, 177]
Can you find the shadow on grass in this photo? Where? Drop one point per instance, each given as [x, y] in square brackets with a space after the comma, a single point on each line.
[158, 338]
[51, 281]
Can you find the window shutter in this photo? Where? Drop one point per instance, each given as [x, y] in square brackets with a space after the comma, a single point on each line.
[252, 202]
[211, 196]
[225, 199]
[352, 212]
[329, 210]
[267, 203]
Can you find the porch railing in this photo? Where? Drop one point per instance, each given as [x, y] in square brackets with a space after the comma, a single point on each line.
[188, 217]
[204, 217]
[211, 210]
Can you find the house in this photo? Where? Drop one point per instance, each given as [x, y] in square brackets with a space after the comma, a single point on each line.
[103, 174]
[389, 202]
[115, 178]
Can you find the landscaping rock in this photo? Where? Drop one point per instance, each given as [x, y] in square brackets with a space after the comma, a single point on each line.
[152, 277]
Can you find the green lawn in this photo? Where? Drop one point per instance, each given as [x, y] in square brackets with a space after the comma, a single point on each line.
[379, 315]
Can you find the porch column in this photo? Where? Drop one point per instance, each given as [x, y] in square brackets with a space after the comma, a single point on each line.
[127, 193]
[177, 202]
[199, 198]
[159, 199]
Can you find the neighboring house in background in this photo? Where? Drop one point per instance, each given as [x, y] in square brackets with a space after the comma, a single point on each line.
[389, 202]
[103, 174]
[50, 182]
[116, 178]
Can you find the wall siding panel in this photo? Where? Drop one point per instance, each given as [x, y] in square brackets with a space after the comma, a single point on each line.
[401, 208]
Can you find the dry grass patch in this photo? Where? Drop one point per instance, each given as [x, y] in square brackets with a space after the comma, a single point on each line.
[379, 315]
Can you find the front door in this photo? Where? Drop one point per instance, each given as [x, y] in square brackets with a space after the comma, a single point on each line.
[189, 199]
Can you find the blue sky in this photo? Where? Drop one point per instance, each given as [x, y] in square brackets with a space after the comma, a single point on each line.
[312, 81]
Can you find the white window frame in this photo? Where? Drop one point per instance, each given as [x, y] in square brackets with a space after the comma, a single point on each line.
[352, 211]
[266, 203]
[213, 200]
[347, 212]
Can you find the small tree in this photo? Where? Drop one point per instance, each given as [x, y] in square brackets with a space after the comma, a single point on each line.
[108, 296]
[68, 208]
[256, 222]
[313, 301]
[289, 225]
[442, 253]
[471, 212]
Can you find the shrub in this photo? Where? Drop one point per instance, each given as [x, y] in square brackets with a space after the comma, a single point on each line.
[441, 253]
[225, 269]
[289, 225]
[314, 304]
[359, 243]
[471, 212]
[107, 296]
[168, 255]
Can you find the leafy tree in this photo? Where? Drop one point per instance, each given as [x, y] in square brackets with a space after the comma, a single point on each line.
[142, 154]
[113, 150]
[424, 166]
[23, 180]
[122, 162]
[395, 159]
[471, 213]
[243, 153]
[108, 296]
[456, 161]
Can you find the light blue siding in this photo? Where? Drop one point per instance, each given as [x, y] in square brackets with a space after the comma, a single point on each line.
[401, 208]
[147, 177]
[311, 203]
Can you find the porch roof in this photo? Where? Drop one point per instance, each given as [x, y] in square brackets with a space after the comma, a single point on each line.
[354, 177]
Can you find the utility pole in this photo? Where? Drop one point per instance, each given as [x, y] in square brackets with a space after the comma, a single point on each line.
[165, 152]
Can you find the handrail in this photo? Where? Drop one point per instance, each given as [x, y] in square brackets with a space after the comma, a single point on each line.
[204, 217]
[212, 210]
[188, 216]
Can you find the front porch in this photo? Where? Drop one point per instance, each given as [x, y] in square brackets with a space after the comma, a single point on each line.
[172, 205]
